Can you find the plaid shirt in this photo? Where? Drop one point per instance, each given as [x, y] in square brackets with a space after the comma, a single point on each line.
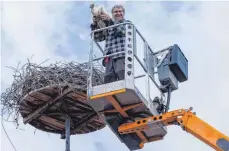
[114, 39]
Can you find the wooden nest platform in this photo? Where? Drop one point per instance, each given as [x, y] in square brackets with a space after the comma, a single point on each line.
[47, 109]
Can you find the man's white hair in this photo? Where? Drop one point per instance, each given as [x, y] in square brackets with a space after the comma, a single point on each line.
[118, 6]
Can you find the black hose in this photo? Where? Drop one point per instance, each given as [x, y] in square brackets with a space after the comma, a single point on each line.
[168, 99]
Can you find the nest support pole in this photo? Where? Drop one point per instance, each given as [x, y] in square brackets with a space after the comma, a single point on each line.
[67, 132]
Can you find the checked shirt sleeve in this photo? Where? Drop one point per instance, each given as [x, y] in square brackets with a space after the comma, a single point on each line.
[98, 36]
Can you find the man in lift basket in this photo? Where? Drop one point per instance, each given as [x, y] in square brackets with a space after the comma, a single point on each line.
[114, 42]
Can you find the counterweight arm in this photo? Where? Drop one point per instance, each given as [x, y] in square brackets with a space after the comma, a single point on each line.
[188, 122]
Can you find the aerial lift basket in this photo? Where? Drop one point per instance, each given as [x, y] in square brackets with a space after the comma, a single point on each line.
[122, 101]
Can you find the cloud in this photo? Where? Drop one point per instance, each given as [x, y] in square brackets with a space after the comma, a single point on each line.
[52, 30]
[202, 35]
[37, 28]
[200, 29]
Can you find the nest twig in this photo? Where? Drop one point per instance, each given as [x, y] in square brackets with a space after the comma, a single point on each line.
[33, 76]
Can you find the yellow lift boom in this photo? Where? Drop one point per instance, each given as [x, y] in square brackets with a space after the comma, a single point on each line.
[187, 120]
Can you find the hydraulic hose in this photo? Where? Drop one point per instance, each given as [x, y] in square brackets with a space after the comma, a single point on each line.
[168, 99]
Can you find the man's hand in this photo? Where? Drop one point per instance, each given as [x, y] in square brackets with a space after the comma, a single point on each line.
[105, 17]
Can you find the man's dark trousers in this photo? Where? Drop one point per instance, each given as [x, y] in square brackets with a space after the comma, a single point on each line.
[115, 70]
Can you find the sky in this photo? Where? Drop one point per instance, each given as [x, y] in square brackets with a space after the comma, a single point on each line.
[59, 31]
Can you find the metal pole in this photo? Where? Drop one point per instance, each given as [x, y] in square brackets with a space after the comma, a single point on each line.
[90, 68]
[67, 133]
[107, 56]
[139, 76]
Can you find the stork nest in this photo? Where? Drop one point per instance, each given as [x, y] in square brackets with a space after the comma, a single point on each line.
[31, 76]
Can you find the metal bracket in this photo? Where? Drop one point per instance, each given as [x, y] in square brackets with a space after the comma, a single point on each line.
[163, 57]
